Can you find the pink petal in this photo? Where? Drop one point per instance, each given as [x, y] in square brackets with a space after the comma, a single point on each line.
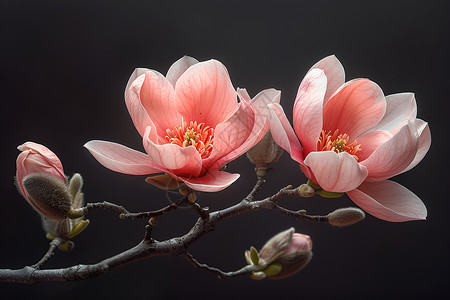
[370, 141]
[334, 71]
[158, 98]
[181, 161]
[392, 157]
[356, 107]
[424, 142]
[388, 200]
[230, 135]
[132, 99]
[121, 159]
[299, 242]
[47, 156]
[204, 93]
[260, 125]
[179, 67]
[243, 94]
[307, 114]
[21, 172]
[36, 158]
[283, 134]
[213, 181]
[400, 108]
[336, 172]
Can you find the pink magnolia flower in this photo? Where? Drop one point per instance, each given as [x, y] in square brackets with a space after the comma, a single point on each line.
[37, 159]
[350, 138]
[191, 124]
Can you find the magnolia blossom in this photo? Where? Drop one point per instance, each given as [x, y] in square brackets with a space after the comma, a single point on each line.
[349, 138]
[191, 124]
[37, 159]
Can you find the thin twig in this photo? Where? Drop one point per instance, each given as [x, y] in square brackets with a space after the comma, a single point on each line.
[221, 274]
[56, 242]
[154, 213]
[256, 188]
[300, 215]
[82, 211]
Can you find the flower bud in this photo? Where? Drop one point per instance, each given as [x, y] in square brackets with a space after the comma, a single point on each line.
[75, 184]
[37, 159]
[41, 180]
[264, 153]
[48, 195]
[283, 255]
[345, 216]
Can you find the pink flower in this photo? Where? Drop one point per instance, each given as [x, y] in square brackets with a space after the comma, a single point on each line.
[191, 124]
[37, 159]
[349, 138]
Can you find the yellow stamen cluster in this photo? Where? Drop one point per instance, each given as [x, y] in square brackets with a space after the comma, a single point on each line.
[338, 143]
[199, 136]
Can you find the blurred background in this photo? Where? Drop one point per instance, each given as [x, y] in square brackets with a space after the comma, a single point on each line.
[64, 66]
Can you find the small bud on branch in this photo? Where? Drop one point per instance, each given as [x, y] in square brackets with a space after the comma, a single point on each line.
[345, 216]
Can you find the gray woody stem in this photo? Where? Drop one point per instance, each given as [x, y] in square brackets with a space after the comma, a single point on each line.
[149, 248]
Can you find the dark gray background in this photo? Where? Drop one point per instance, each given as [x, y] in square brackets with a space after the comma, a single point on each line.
[64, 66]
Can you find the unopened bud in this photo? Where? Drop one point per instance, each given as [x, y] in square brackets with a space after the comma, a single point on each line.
[41, 180]
[48, 195]
[192, 197]
[283, 255]
[163, 182]
[183, 191]
[305, 191]
[264, 153]
[75, 184]
[345, 216]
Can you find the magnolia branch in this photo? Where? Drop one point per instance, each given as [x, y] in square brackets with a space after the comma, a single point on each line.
[176, 246]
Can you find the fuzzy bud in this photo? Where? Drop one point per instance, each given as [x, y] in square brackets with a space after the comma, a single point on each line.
[306, 191]
[48, 195]
[75, 184]
[264, 153]
[283, 255]
[41, 180]
[345, 216]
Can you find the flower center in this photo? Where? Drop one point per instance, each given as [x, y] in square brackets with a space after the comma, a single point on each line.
[338, 143]
[199, 136]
